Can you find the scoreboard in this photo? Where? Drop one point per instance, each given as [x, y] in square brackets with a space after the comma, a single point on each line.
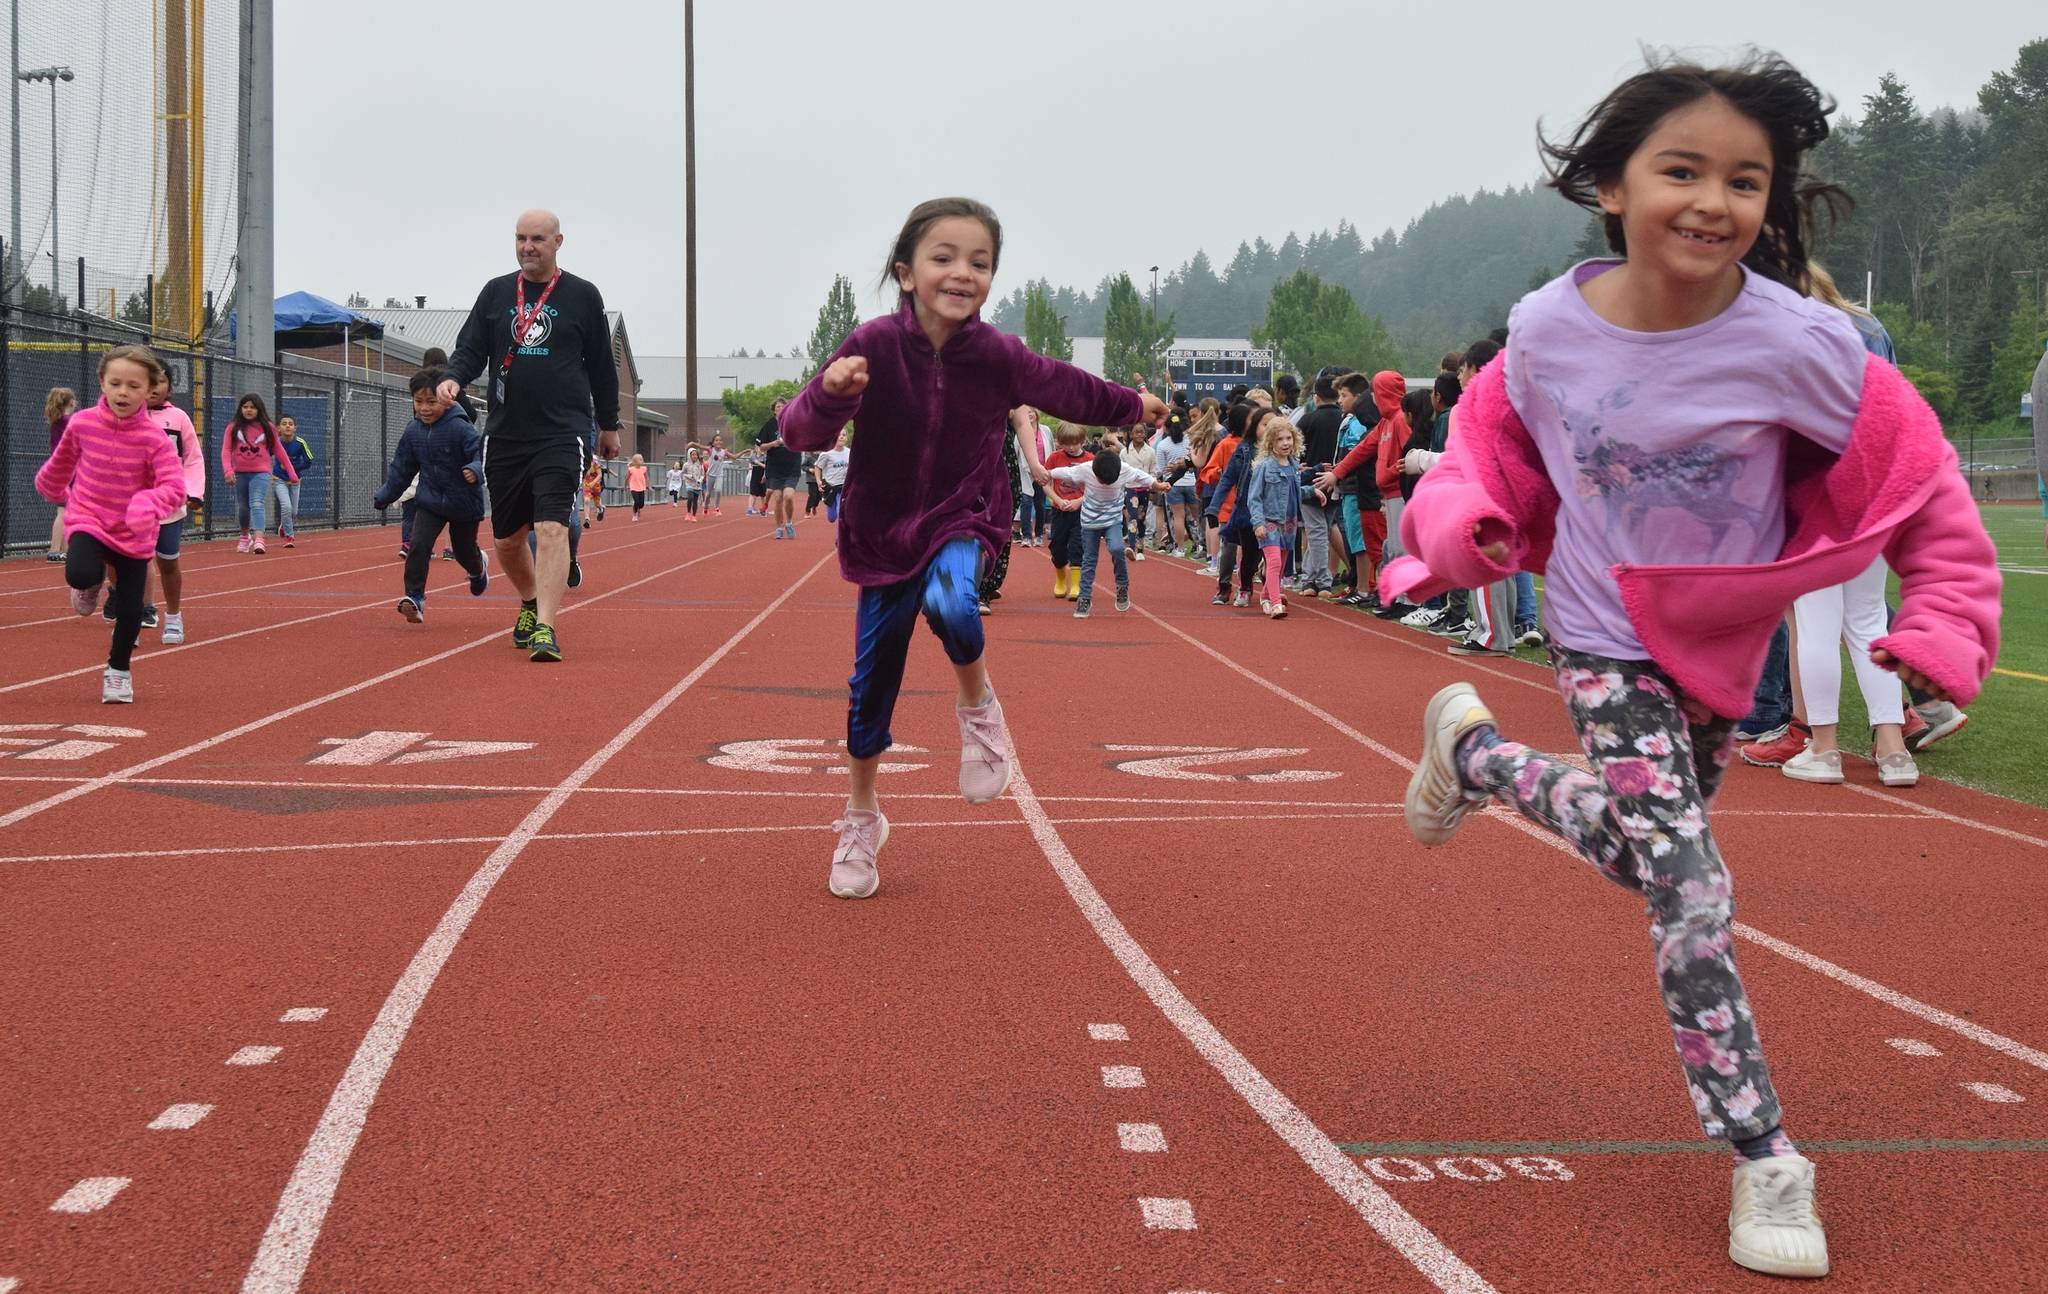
[1213, 372]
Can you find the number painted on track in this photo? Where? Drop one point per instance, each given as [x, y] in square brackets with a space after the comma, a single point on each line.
[1178, 763]
[1467, 1168]
[1540, 1168]
[798, 755]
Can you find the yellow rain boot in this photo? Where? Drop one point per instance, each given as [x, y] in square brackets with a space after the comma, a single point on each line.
[1059, 581]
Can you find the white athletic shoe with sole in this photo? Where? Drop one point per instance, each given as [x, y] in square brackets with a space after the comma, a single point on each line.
[862, 833]
[117, 687]
[1772, 1225]
[1810, 765]
[174, 629]
[1437, 799]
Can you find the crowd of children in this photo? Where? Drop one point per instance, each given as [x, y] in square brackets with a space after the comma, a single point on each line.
[1632, 436]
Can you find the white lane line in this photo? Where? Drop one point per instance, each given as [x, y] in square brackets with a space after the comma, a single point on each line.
[1959, 820]
[1109, 1033]
[179, 1117]
[652, 833]
[1498, 813]
[1995, 1093]
[1340, 1172]
[1167, 1215]
[1141, 1138]
[288, 1241]
[212, 639]
[218, 593]
[255, 1056]
[8, 1284]
[1913, 1046]
[90, 1195]
[1891, 997]
[1123, 1076]
[302, 1015]
[256, 725]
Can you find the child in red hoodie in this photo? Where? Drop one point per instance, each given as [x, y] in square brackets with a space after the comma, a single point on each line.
[1070, 449]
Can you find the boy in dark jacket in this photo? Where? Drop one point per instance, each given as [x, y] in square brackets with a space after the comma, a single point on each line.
[442, 446]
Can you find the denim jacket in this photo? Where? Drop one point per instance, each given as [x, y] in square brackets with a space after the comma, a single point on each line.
[1274, 496]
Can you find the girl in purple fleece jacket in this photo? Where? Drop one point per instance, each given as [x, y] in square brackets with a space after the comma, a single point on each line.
[927, 498]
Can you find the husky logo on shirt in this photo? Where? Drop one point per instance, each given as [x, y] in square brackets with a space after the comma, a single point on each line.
[537, 332]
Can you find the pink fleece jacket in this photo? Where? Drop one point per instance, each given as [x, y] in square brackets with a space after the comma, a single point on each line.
[116, 479]
[1895, 491]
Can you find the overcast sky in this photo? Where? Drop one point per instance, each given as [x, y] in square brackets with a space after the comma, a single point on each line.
[1108, 135]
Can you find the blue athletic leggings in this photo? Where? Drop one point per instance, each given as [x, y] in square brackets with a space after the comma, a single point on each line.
[946, 593]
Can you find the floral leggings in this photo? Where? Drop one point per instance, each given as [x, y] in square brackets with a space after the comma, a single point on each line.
[1642, 821]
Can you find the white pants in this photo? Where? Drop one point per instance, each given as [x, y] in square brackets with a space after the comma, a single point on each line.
[1851, 613]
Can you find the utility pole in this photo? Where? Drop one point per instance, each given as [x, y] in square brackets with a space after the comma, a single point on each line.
[256, 269]
[14, 126]
[690, 221]
[1152, 339]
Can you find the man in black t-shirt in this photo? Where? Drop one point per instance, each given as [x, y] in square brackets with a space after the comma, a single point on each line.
[781, 470]
[541, 337]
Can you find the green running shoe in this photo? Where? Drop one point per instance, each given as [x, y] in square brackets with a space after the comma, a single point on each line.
[522, 629]
[545, 648]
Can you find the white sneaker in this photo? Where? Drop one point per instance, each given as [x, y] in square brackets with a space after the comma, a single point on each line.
[1898, 770]
[1772, 1225]
[1437, 799]
[174, 629]
[1137, 554]
[1422, 617]
[117, 687]
[862, 833]
[1810, 765]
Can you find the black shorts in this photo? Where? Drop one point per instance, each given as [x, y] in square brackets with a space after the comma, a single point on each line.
[782, 482]
[531, 480]
[757, 479]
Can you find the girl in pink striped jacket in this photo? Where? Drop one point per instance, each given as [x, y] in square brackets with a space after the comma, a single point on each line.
[117, 478]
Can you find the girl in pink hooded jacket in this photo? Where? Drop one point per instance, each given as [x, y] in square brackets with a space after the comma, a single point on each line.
[1683, 442]
[247, 449]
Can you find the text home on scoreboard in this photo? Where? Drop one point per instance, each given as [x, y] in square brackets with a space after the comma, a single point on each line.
[1213, 372]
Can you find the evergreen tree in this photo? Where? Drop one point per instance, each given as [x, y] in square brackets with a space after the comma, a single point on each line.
[1312, 324]
[1044, 331]
[1130, 341]
[836, 318]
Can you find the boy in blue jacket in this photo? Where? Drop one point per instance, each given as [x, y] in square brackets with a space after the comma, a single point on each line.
[442, 446]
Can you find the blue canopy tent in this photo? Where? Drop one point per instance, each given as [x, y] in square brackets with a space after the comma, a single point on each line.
[305, 321]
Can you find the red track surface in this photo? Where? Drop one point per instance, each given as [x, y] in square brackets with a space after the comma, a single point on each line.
[646, 1049]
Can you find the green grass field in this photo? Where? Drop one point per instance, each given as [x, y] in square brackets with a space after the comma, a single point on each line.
[2005, 748]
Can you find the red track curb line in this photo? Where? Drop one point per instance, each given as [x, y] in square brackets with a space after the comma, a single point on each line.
[1890, 997]
[287, 1247]
[1399, 1228]
[325, 615]
[254, 725]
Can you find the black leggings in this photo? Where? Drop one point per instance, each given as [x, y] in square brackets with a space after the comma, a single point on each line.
[1228, 553]
[86, 563]
[639, 501]
[426, 533]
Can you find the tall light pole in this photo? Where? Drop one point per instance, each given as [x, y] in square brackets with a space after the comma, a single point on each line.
[1152, 338]
[690, 220]
[52, 75]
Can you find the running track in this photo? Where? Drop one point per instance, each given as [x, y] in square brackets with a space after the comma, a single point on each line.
[579, 1013]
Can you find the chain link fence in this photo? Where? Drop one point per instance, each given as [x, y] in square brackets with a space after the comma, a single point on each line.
[348, 419]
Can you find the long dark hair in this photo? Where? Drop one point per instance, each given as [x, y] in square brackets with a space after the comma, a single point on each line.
[926, 214]
[262, 420]
[1763, 87]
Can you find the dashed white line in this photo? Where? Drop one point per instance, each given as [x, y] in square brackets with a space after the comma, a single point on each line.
[90, 1195]
[1141, 1138]
[1109, 1033]
[254, 1056]
[1122, 1076]
[179, 1117]
[1913, 1046]
[302, 1015]
[1996, 1093]
[1167, 1215]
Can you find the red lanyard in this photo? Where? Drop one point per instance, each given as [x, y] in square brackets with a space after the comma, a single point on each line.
[522, 319]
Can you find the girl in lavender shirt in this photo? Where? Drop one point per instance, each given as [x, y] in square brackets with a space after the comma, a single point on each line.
[1646, 408]
[927, 496]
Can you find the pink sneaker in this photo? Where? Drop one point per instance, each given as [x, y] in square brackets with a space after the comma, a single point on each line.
[256, 544]
[862, 833]
[243, 545]
[984, 755]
